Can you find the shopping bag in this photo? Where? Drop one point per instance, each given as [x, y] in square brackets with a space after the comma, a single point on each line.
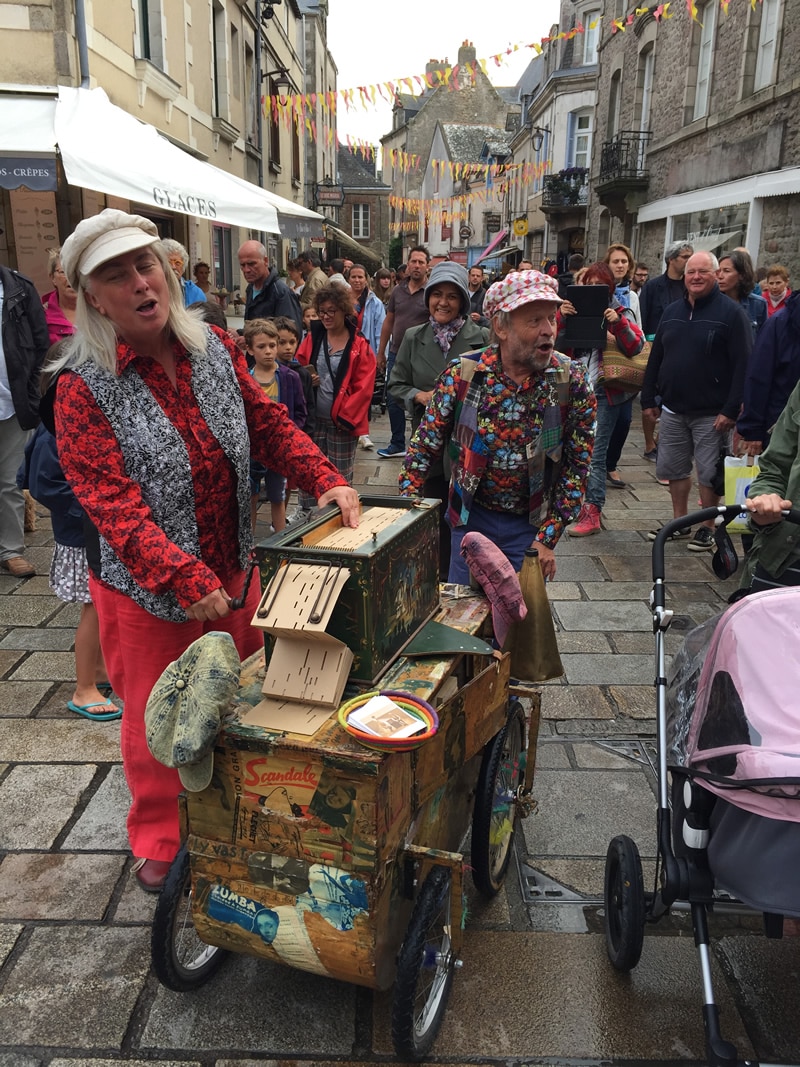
[621, 371]
[740, 473]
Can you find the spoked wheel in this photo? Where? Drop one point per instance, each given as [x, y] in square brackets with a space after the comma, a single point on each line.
[424, 970]
[180, 959]
[493, 818]
[624, 903]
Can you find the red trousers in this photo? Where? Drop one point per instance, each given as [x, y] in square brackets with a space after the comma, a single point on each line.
[137, 647]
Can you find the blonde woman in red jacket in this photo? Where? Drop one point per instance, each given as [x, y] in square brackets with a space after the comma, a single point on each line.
[343, 366]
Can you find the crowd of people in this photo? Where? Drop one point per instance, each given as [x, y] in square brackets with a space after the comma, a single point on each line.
[133, 372]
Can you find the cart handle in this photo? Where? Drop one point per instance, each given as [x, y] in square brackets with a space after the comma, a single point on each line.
[722, 513]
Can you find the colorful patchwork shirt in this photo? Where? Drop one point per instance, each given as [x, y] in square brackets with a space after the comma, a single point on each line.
[517, 448]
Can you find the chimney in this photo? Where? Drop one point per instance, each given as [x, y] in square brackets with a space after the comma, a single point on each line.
[436, 66]
[466, 53]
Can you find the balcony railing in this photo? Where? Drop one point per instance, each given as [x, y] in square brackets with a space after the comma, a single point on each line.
[568, 188]
[624, 157]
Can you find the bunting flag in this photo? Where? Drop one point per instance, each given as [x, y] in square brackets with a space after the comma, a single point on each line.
[293, 108]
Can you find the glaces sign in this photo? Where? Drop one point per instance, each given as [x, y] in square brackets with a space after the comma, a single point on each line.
[186, 203]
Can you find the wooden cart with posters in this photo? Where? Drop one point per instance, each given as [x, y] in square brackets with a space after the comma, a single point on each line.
[315, 851]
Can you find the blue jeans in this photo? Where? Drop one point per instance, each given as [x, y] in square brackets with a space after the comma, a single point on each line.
[607, 419]
[513, 535]
[619, 435]
[397, 413]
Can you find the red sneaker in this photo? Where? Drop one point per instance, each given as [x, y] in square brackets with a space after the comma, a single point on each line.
[588, 522]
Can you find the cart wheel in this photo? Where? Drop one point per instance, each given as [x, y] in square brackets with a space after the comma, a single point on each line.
[424, 969]
[180, 959]
[493, 818]
[624, 903]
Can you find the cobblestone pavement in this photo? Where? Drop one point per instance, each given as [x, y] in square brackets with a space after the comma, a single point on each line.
[75, 980]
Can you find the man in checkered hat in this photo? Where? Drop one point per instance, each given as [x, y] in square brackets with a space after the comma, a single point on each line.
[517, 420]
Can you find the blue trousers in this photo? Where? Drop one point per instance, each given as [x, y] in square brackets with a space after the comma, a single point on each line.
[608, 417]
[513, 535]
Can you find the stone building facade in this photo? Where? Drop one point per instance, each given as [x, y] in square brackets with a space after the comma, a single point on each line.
[415, 119]
[699, 134]
[363, 229]
[195, 71]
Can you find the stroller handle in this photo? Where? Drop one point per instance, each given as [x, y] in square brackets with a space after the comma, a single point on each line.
[722, 512]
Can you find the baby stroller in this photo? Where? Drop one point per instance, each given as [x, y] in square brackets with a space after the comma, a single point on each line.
[729, 740]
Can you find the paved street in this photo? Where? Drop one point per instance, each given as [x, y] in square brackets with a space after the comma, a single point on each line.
[75, 981]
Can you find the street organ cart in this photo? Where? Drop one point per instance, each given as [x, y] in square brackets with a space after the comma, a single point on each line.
[310, 848]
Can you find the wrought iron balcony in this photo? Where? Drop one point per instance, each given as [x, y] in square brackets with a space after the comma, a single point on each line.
[566, 190]
[623, 158]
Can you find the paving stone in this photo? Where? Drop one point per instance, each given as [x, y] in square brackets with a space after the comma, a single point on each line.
[578, 641]
[635, 701]
[767, 975]
[646, 1015]
[631, 569]
[593, 757]
[67, 615]
[30, 640]
[552, 757]
[580, 811]
[75, 986]
[635, 521]
[575, 702]
[27, 611]
[559, 590]
[8, 937]
[57, 886]
[296, 1011]
[592, 669]
[572, 546]
[144, 1063]
[37, 801]
[8, 659]
[37, 586]
[644, 644]
[133, 905]
[587, 877]
[483, 913]
[16, 1059]
[54, 666]
[56, 703]
[604, 616]
[76, 740]
[102, 824]
[579, 569]
[617, 590]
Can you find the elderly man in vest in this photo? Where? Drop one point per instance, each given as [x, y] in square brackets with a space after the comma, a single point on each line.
[517, 419]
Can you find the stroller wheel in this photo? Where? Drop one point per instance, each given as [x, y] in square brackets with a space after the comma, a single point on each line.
[624, 903]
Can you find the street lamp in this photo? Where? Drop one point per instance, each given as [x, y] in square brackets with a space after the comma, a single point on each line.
[282, 83]
[537, 136]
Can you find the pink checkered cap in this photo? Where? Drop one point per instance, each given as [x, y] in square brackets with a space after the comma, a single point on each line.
[498, 579]
[520, 287]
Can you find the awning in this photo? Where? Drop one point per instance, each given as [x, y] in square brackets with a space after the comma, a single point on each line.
[495, 241]
[104, 148]
[498, 253]
[27, 144]
[784, 182]
[350, 242]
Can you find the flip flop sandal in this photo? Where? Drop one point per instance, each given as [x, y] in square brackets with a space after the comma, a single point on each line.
[96, 716]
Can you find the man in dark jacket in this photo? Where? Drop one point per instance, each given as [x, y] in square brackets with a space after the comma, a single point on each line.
[772, 373]
[696, 366]
[24, 345]
[267, 296]
[659, 292]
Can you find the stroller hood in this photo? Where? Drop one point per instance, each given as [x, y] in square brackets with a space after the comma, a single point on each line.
[744, 734]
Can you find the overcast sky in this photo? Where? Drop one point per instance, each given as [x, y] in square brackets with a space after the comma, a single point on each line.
[373, 43]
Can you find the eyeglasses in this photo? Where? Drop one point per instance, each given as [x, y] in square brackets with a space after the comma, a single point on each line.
[327, 313]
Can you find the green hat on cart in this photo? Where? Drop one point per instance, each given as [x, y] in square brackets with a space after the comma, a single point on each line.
[184, 710]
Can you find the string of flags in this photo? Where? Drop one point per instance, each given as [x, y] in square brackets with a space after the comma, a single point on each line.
[304, 109]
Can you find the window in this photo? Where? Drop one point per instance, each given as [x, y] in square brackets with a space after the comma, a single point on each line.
[614, 104]
[767, 44]
[252, 101]
[579, 139]
[644, 87]
[150, 32]
[274, 131]
[236, 66]
[295, 153]
[361, 220]
[222, 257]
[219, 61]
[591, 35]
[708, 19]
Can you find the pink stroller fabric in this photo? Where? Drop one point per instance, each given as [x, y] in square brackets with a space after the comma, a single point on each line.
[745, 728]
